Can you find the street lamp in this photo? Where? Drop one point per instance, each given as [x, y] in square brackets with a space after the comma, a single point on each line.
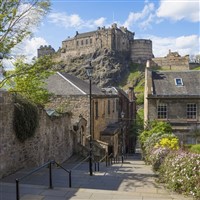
[122, 135]
[1, 66]
[1, 56]
[89, 71]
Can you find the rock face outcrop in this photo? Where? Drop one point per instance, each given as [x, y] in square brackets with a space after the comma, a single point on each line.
[109, 66]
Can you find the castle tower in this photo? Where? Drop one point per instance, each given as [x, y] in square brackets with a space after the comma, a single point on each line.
[141, 51]
[45, 50]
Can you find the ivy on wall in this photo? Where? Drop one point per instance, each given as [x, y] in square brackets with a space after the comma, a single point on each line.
[25, 119]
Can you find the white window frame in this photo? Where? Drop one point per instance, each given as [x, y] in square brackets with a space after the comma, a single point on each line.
[176, 81]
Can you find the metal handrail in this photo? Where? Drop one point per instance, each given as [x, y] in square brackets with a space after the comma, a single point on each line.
[81, 162]
[17, 180]
[103, 158]
[68, 171]
[108, 158]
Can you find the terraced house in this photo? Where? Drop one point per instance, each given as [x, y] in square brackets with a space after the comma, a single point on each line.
[72, 95]
[174, 97]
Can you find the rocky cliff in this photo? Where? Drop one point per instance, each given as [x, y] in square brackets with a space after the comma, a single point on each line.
[109, 67]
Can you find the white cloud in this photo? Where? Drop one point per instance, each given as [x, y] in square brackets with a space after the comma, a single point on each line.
[28, 47]
[147, 23]
[100, 21]
[187, 41]
[144, 17]
[184, 45]
[74, 21]
[178, 10]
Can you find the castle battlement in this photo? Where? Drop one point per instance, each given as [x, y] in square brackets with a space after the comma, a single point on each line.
[113, 38]
[45, 50]
[172, 61]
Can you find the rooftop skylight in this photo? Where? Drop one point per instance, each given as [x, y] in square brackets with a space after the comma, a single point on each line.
[178, 81]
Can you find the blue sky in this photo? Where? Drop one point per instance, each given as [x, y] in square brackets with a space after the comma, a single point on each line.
[170, 24]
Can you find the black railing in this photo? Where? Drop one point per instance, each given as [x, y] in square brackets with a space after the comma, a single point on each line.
[49, 164]
[81, 162]
[96, 165]
[109, 159]
[116, 159]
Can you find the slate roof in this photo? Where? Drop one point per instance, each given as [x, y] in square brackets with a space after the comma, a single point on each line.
[111, 129]
[83, 85]
[82, 35]
[115, 90]
[163, 83]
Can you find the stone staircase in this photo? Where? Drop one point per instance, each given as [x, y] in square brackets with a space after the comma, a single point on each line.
[130, 180]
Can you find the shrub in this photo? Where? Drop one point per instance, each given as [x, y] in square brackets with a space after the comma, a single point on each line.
[168, 142]
[181, 172]
[157, 157]
[154, 127]
[25, 119]
[195, 148]
[154, 142]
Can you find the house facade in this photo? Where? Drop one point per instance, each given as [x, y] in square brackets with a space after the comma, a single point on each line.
[72, 95]
[174, 97]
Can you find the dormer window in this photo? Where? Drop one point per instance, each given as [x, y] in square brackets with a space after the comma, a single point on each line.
[178, 81]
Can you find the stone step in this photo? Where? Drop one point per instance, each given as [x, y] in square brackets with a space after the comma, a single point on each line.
[35, 192]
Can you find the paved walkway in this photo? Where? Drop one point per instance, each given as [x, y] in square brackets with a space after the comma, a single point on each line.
[130, 180]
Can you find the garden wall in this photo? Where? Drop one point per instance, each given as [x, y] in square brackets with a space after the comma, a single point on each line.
[53, 139]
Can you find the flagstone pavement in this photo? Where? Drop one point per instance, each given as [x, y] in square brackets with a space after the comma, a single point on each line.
[129, 180]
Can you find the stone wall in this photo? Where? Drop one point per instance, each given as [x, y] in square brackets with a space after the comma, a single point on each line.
[141, 50]
[177, 116]
[45, 50]
[53, 140]
[112, 38]
[173, 61]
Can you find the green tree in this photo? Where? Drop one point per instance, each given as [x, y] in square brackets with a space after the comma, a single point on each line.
[30, 79]
[17, 19]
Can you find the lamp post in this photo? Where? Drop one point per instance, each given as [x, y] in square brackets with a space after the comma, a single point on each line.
[122, 135]
[1, 66]
[1, 56]
[89, 71]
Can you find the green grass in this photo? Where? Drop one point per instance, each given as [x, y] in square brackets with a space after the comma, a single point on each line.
[196, 68]
[133, 78]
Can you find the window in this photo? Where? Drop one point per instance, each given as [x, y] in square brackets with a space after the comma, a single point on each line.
[86, 41]
[104, 107]
[108, 106]
[96, 109]
[162, 111]
[117, 104]
[191, 111]
[77, 43]
[114, 105]
[91, 41]
[82, 42]
[178, 81]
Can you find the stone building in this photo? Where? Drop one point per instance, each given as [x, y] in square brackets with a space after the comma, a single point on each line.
[174, 97]
[72, 94]
[45, 50]
[141, 50]
[127, 105]
[173, 61]
[118, 39]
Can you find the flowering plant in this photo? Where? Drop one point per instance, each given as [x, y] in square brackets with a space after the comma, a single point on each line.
[166, 142]
[181, 172]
